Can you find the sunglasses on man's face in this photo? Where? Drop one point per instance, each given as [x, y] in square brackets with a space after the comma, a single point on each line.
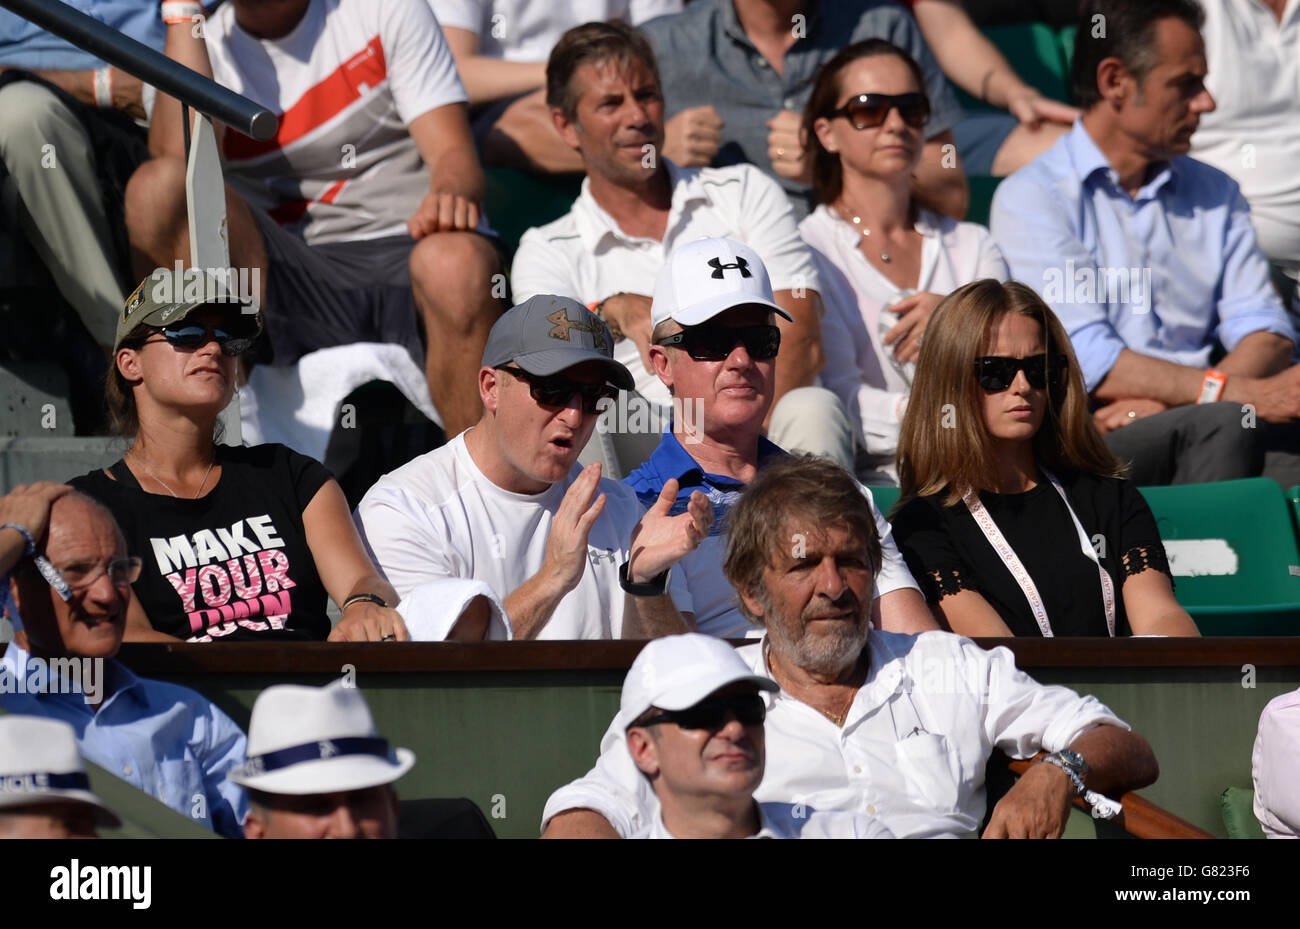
[996, 373]
[190, 338]
[711, 713]
[866, 111]
[716, 343]
[558, 391]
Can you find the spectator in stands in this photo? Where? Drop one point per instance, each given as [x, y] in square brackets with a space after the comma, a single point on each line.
[1253, 133]
[44, 791]
[69, 140]
[372, 125]
[68, 592]
[501, 47]
[1149, 259]
[696, 732]
[239, 543]
[636, 207]
[1014, 515]
[739, 72]
[884, 261]
[1274, 763]
[316, 767]
[714, 347]
[506, 502]
[901, 727]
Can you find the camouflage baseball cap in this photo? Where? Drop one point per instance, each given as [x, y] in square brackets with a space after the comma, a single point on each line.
[546, 334]
[166, 297]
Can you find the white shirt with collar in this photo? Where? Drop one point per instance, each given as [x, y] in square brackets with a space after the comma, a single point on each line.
[585, 255]
[860, 369]
[795, 821]
[911, 752]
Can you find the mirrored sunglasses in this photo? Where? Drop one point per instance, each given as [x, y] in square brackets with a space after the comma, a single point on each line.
[189, 338]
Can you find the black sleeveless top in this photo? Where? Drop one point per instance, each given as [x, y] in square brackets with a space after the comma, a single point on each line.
[232, 565]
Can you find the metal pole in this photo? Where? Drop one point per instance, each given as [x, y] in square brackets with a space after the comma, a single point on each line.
[150, 66]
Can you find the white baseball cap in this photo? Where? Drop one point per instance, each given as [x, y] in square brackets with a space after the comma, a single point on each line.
[40, 762]
[678, 671]
[317, 740]
[703, 278]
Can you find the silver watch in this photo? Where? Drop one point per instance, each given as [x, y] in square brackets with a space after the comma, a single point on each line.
[1074, 766]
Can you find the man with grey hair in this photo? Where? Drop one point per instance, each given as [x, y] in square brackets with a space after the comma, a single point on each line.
[899, 727]
[68, 583]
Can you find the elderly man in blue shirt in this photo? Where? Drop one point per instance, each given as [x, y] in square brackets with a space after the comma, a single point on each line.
[67, 595]
[1151, 262]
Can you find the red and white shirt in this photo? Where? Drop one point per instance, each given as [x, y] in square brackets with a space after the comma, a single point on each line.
[345, 83]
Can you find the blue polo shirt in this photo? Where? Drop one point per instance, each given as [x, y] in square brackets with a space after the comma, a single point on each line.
[23, 44]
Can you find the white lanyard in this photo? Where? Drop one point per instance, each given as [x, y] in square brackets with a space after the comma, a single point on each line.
[1012, 560]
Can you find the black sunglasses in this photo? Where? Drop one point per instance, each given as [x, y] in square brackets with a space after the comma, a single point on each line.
[558, 391]
[711, 713]
[189, 338]
[866, 111]
[715, 343]
[996, 373]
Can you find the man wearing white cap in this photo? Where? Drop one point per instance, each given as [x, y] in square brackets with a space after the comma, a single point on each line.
[696, 733]
[316, 767]
[715, 348]
[44, 791]
[571, 555]
[900, 727]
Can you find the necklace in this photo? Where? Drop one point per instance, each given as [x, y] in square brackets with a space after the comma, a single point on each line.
[866, 233]
[204, 483]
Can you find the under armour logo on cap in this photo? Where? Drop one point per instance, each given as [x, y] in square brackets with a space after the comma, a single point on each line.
[740, 263]
[563, 324]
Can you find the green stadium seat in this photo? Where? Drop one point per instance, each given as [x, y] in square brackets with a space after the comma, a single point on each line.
[1238, 804]
[982, 188]
[1034, 50]
[885, 497]
[1232, 546]
[517, 200]
[1065, 39]
[1294, 496]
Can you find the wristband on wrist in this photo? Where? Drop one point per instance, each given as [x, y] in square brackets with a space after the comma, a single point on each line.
[655, 587]
[180, 11]
[43, 564]
[1212, 386]
[102, 81]
[29, 544]
[363, 598]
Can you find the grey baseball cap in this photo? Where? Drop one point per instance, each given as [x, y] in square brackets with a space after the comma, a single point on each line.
[546, 334]
[161, 300]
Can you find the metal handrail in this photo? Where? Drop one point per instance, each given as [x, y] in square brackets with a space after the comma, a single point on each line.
[149, 65]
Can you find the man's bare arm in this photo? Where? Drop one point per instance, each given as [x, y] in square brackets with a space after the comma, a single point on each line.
[1260, 354]
[126, 88]
[940, 180]
[802, 357]
[652, 617]
[579, 824]
[166, 135]
[488, 78]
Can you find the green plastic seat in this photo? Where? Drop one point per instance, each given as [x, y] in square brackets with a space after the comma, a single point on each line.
[1239, 540]
[1238, 805]
[982, 188]
[516, 200]
[1065, 38]
[1294, 496]
[885, 497]
[1034, 51]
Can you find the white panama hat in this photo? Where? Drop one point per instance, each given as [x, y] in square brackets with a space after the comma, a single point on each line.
[40, 763]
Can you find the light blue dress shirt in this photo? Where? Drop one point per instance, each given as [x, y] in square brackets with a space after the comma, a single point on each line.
[168, 741]
[25, 45]
[1167, 273]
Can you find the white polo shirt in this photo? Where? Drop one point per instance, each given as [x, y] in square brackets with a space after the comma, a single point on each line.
[585, 255]
[438, 516]
[859, 367]
[911, 752]
[795, 821]
[1253, 134]
[525, 30]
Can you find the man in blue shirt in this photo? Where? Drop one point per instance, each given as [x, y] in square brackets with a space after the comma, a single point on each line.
[69, 589]
[1150, 260]
[714, 345]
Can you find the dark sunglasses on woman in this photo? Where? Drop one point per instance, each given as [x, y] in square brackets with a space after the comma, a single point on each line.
[190, 338]
[716, 343]
[866, 111]
[995, 373]
[711, 713]
[558, 391]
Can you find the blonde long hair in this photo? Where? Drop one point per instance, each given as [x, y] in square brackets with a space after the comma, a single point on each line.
[944, 442]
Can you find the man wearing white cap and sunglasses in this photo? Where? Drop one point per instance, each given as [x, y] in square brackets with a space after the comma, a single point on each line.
[44, 791]
[695, 715]
[715, 345]
[316, 767]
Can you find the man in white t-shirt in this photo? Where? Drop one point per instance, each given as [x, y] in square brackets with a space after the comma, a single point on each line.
[637, 206]
[715, 345]
[695, 731]
[571, 555]
[359, 215]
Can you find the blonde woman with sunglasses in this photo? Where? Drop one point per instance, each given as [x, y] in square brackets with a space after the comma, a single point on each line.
[1014, 517]
[238, 543]
[884, 260]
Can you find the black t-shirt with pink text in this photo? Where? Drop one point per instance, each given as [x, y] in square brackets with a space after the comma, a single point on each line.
[233, 565]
